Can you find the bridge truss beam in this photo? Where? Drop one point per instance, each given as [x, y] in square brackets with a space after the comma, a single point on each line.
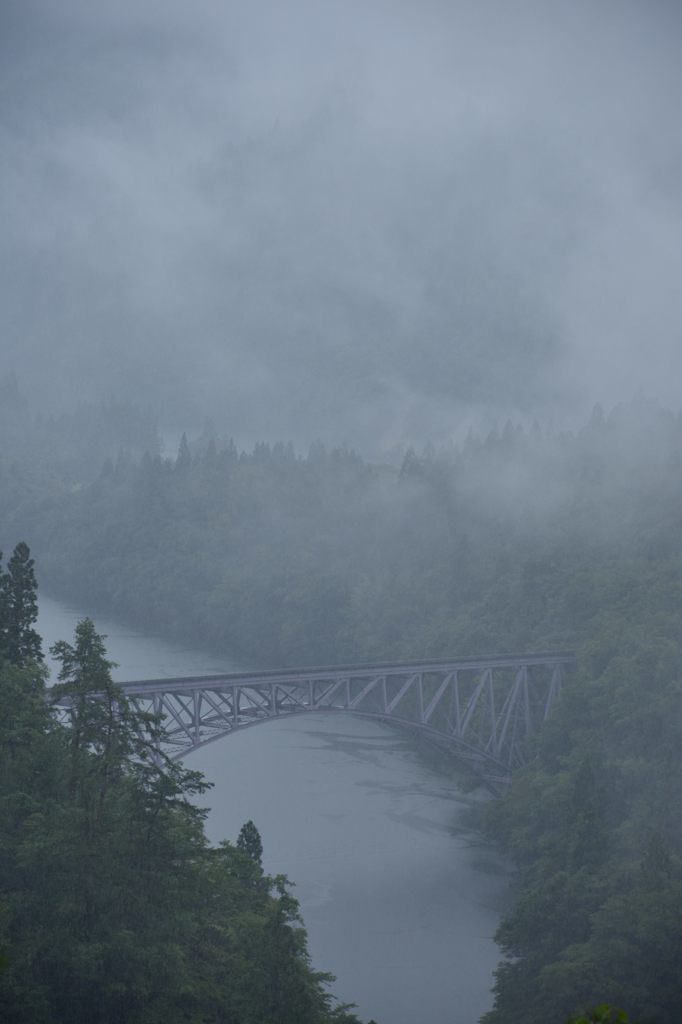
[483, 710]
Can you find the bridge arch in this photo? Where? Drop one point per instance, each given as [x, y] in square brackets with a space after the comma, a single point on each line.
[483, 710]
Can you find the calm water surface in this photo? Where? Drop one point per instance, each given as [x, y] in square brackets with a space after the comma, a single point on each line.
[399, 903]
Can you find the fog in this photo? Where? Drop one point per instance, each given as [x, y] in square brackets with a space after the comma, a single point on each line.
[342, 332]
[372, 223]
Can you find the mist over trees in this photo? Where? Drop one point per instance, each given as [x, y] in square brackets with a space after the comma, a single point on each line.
[519, 540]
[71, 446]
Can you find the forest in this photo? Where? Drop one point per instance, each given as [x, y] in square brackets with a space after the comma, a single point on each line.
[113, 906]
[525, 538]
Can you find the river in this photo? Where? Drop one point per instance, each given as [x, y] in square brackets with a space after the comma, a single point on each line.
[399, 903]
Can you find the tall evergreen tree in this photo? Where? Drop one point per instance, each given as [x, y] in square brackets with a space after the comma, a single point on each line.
[117, 738]
[249, 842]
[19, 641]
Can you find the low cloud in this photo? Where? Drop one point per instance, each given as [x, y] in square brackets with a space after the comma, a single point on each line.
[365, 222]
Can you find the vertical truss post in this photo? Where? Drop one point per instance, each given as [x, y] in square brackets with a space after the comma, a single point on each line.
[454, 702]
[553, 691]
[492, 742]
[526, 703]
[196, 714]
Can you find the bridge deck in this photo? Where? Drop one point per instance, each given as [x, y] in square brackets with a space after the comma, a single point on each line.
[353, 670]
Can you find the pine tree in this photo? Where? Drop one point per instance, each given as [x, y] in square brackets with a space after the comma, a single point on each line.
[249, 842]
[118, 738]
[19, 642]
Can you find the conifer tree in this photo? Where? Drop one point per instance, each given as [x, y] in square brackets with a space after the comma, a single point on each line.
[249, 842]
[19, 644]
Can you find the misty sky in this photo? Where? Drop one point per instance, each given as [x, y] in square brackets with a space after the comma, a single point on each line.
[362, 221]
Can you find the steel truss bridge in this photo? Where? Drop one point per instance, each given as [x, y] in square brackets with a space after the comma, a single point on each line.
[482, 710]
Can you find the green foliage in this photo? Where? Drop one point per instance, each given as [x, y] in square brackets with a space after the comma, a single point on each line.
[601, 1015]
[113, 907]
[594, 826]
